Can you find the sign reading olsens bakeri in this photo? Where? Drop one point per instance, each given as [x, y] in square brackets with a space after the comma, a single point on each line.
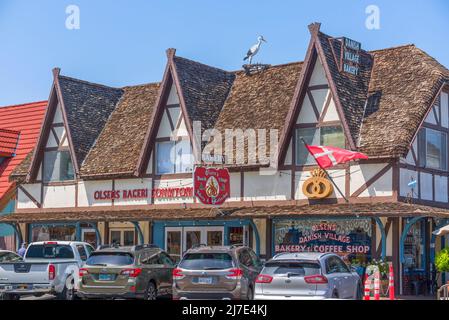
[211, 185]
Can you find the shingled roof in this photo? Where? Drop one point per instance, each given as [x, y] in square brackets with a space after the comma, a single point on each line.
[122, 137]
[403, 84]
[204, 90]
[88, 107]
[382, 107]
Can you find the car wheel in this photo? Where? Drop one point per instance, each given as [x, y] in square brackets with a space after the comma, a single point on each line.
[151, 292]
[250, 294]
[335, 295]
[68, 293]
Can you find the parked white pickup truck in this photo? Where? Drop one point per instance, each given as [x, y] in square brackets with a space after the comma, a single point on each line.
[49, 267]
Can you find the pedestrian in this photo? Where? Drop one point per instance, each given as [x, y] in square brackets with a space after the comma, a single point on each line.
[22, 250]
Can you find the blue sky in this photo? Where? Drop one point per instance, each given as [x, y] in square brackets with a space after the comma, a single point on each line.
[123, 43]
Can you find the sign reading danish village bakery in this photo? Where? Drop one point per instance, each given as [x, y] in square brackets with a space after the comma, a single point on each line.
[211, 185]
[351, 238]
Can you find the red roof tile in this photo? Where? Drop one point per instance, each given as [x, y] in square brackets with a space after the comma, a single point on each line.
[22, 123]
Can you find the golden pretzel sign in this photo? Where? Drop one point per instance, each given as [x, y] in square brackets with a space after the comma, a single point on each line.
[317, 186]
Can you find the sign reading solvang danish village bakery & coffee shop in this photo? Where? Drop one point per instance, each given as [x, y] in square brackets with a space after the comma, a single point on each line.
[117, 164]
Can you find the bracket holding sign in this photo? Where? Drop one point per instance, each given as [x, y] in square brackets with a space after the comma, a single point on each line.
[211, 185]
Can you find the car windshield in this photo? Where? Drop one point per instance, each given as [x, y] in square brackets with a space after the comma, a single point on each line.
[50, 251]
[302, 268]
[206, 261]
[9, 257]
[110, 258]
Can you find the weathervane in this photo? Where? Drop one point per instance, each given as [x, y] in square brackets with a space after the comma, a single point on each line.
[251, 68]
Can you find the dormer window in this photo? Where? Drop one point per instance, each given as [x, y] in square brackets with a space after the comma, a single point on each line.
[173, 157]
[58, 166]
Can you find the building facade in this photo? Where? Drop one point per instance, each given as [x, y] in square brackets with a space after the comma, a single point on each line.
[114, 165]
[19, 129]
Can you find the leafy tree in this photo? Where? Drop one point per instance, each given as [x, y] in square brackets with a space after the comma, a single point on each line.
[442, 260]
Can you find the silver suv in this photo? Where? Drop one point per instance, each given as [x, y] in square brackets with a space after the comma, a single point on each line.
[307, 276]
[216, 273]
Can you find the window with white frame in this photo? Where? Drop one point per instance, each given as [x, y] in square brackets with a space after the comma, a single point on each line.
[174, 157]
[432, 149]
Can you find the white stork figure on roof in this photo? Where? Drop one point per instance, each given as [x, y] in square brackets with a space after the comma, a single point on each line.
[254, 49]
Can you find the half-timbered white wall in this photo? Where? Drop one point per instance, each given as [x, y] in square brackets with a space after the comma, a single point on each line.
[431, 185]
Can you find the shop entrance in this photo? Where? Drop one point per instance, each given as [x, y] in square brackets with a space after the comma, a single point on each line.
[180, 239]
[89, 236]
[123, 237]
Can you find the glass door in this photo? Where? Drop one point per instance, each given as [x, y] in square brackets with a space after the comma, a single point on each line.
[180, 239]
[89, 236]
[123, 237]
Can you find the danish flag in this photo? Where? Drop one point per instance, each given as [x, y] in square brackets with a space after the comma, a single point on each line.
[327, 157]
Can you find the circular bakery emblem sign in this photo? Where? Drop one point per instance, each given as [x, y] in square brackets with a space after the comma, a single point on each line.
[212, 187]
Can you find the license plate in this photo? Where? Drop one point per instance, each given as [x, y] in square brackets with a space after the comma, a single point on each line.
[205, 280]
[22, 286]
[106, 277]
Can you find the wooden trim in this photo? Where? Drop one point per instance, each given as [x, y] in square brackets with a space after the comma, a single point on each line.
[424, 169]
[414, 156]
[297, 99]
[231, 204]
[396, 178]
[374, 240]
[318, 124]
[66, 126]
[242, 185]
[318, 87]
[269, 238]
[314, 107]
[427, 113]
[348, 182]
[172, 126]
[334, 92]
[30, 196]
[435, 127]
[373, 179]
[326, 108]
[151, 132]
[59, 183]
[395, 252]
[58, 143]
[44, 131]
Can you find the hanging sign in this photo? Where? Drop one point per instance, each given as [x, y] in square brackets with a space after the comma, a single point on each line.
[211, 185]
[351, 56]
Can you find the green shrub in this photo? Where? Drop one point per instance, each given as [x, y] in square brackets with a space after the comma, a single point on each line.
[442, 260]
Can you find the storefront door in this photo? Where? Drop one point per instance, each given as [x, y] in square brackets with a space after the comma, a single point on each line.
[89, 236]
[180, 239]
[123, 237]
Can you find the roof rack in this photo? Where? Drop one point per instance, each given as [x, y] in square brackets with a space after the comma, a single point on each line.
[145, 246]
[199, 245]
[281, 254]
[105, 246]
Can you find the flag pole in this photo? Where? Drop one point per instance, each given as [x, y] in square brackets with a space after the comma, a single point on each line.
[325, 171]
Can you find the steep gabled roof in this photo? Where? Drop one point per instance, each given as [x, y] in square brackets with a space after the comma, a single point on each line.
[88, 107]
[25, 119]
[204, 89]
[404, 82]
[118, 147]
[351, 90]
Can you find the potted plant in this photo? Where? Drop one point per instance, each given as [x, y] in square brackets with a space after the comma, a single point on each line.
[442, 261]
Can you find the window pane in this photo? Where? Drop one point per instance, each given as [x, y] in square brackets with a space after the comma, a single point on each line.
[116, 237]
[214, 238]
[66, 167]
[58, 166]
[128, 238]
[332, 137]
[174, 244]
[183, 157]
[310, 136]
[165, 157]
[434, 150]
